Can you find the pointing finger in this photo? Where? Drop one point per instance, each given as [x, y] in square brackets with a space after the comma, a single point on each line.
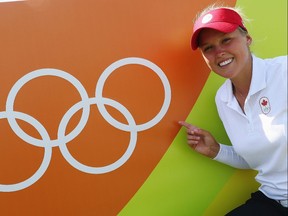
[184, 124]
[187, 125]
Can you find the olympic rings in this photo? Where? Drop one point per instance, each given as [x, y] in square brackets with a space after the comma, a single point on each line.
[62, 138]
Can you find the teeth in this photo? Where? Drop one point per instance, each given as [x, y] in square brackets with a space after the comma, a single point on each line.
[221, 64]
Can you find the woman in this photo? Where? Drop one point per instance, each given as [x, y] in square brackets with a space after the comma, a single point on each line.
[252, 104]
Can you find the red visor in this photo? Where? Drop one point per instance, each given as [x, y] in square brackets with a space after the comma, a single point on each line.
[222, 19]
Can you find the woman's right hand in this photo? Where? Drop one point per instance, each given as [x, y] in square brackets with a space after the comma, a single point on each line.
[201, 140]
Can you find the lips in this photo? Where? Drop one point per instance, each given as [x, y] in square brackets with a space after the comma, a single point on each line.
[226, 62]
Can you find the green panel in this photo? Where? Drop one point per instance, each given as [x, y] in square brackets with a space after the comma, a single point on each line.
[268, 26]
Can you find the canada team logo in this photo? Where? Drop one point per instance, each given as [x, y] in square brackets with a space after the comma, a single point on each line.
[265, 105]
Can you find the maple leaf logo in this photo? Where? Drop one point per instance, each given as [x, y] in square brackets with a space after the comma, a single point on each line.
[265, 105]
[264, 102]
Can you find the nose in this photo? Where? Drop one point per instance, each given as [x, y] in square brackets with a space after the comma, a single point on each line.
[219, 51]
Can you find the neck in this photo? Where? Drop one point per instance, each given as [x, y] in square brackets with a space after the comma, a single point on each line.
[243, 92]
[241, 83]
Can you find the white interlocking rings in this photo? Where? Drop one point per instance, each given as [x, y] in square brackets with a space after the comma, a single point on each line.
[62, 138]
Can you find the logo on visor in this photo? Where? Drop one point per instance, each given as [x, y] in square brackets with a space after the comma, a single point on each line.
[207, 18]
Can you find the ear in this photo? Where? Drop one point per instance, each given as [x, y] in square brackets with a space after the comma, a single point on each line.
[249, 39]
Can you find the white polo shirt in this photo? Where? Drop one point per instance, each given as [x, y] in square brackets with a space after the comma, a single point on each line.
[258, 136]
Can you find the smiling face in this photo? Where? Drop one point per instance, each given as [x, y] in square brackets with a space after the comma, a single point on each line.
[227, 54]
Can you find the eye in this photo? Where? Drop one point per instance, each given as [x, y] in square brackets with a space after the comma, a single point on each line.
[226, 40]
[206, 48]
